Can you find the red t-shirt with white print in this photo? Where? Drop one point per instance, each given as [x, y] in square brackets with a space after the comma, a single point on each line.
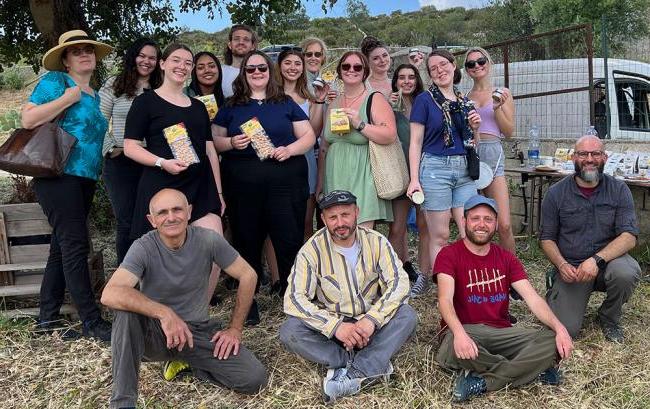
[481, 283]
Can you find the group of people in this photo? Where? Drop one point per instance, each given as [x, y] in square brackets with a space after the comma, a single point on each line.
[173, 169]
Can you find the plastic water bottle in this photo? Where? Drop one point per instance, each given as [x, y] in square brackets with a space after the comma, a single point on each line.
[533, 146]
[591, 131]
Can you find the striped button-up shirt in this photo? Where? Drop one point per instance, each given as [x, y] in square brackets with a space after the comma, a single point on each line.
[323, 290]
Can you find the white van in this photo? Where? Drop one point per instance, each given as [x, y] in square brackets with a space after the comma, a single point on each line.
[566, 115]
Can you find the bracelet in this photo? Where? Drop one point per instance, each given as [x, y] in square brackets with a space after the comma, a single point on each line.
[219, 193]
[231, 144]
[319, 102]
[560, 267]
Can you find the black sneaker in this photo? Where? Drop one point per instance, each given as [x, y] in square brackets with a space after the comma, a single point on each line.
[612, 332]
[60, 326]
[253, 317]
[98, 328]
[551, 376]
[468, 385]
[411, 271]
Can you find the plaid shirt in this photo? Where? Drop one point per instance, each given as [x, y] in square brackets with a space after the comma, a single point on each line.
[323, 291]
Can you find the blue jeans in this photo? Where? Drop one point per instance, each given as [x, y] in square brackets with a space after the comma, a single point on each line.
[445, 182]
[372, 360]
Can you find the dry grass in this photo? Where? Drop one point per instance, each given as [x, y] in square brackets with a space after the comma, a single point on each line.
[45, 372]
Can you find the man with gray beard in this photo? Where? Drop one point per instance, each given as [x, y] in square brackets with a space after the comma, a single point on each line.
[588, 226]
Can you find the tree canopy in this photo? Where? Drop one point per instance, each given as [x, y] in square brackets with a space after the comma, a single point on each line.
[30, 27]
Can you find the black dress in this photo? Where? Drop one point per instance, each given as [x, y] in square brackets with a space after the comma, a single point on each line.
[149, 115]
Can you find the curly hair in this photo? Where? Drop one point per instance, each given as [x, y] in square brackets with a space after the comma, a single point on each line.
[126, 81]
[242, 91]
[369, 44]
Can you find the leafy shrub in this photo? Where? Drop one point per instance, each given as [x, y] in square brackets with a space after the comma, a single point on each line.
[21, 190]
[13, 79]
[101, 213]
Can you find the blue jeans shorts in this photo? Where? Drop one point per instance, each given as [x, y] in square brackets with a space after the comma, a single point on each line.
[445, 182]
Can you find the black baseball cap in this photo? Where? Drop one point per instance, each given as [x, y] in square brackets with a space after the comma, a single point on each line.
[337, 197]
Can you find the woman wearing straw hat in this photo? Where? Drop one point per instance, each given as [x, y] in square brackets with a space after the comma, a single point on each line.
[65, 91]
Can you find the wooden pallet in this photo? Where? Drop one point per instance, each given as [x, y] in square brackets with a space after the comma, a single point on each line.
[22, 262]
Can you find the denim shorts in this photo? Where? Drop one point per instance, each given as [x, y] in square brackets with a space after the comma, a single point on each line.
[445, 182]
[491, 152]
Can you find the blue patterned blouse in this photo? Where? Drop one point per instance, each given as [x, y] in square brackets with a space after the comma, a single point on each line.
[83, 120]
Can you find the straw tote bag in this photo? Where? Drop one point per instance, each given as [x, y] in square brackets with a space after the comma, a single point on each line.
[387, 164]
[39, 152]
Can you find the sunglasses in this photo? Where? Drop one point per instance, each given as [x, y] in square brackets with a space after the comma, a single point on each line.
[316, 54]
[261, 67]
[355, 67]
[472, 63]
[78, 51]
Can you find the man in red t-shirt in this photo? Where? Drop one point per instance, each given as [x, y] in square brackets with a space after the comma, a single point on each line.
[474, 280]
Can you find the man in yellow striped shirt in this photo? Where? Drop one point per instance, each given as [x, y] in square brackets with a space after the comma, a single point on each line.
[347, 300]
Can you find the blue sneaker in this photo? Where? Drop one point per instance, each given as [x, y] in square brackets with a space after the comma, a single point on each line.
[467, 386]
[337, 384]
[551, 376]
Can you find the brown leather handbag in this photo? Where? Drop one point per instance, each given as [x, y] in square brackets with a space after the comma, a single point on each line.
[39, 152]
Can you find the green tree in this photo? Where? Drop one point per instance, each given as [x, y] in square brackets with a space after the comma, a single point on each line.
[30, 27]
[626, 20]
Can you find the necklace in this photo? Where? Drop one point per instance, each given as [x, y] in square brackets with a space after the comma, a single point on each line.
[350, 101]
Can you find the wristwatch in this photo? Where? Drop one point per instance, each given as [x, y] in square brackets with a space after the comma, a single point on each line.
[600, 262]
[362, 125]
[159, 162]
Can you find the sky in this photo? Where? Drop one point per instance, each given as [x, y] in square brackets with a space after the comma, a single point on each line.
[200, 21]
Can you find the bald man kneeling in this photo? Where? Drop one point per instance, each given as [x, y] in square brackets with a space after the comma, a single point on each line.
[167, 318]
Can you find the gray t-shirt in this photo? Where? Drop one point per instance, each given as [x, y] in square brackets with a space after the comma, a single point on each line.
[179, 278]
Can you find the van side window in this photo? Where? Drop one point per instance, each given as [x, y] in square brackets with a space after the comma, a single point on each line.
[632, 96]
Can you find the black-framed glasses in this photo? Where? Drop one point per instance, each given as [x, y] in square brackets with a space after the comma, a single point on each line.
[355, 67]
[585, 154]
[472, 63]
[260, 67]
[316, 54]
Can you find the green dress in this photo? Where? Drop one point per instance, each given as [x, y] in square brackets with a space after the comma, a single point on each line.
[347, 167]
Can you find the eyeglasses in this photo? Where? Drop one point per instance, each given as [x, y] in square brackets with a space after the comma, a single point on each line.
[78, 51]
[585, 154]
[355, 67]
[261, 67]
[472, 63]
[316, 54]
[189, 64]
[436, 68]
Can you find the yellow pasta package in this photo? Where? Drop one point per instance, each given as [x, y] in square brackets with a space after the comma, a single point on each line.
[210, 103]
[180, 143]
[339, 120]
[259, 139]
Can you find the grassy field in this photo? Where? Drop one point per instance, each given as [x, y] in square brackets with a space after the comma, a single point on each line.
[45, 372]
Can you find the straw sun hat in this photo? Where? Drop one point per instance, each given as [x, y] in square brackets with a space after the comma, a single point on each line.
[52, 58]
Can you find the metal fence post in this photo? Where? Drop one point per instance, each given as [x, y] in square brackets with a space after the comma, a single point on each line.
[603, 42]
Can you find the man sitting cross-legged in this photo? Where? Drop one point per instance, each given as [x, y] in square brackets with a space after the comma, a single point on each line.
[346, 300]
[167, 318]
[474, 280]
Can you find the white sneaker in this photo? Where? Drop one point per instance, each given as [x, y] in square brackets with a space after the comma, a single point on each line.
[337, 384]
